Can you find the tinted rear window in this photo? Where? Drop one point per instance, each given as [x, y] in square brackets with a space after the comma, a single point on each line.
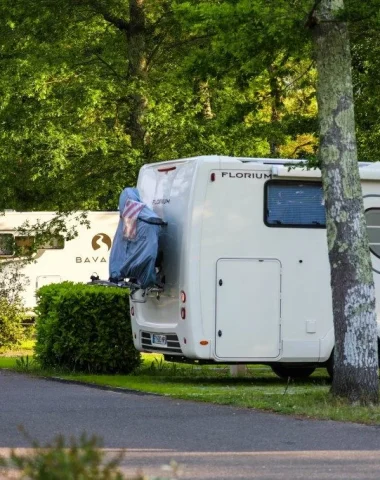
[294, 204]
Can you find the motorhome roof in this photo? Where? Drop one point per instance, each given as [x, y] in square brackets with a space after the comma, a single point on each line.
[256, 160]
[283, 161]
[279, 167]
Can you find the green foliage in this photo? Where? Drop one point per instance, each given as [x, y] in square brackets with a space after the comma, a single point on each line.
[85, 328]
[80, 459]
[64, 95]
[217, 78]
[11, 317]
[232, 77]
[365, 50]
[25, 364]
[256, 56]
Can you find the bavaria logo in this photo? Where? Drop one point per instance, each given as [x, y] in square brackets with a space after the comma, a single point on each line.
[101, 238]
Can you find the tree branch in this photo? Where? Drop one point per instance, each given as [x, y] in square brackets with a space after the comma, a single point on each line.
[190, 40]
[108, 66]
[312, 21]
[155, 49]
[118, 22]
[300, 76]
[298, 147]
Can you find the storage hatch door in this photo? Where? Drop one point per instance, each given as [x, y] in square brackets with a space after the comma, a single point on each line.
[248, 308]
[43, 280]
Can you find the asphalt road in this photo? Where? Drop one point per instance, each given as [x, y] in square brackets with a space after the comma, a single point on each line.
[208, 441]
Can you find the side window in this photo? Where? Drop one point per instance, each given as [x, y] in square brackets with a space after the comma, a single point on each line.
[55, 243]
[372, 216]
[6, 244]
[294, 204]
[24, 244]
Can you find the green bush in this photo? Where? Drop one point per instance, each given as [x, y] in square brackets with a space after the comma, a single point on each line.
[82, 459]
[11, 317]
[85, 328]
[60, 460]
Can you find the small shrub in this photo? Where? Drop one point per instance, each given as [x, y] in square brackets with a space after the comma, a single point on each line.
[11, 317]
[85, 328]
[29, 328]
[25, 364]
[81, 459]
[12, 311]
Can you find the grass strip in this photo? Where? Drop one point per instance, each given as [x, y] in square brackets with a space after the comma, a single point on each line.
[259, 388]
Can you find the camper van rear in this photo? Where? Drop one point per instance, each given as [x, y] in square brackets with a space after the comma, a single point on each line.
[245, 262]
[59, 260]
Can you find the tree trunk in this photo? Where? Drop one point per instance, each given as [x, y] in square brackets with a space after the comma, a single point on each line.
[136, 45]
[276, 105]
[353, 295]
[135, 32]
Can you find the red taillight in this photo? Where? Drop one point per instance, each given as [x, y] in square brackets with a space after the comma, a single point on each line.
[212, 177]
[183, 313]
[183, 296]
[184, 341]
[132, 311]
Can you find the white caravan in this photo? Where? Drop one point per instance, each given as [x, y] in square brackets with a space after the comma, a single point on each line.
[245, 263]
[75, 260]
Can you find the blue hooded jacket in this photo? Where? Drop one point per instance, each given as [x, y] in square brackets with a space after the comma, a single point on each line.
[136, 259]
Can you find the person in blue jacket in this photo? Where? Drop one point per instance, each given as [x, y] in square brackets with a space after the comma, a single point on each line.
[135, 246]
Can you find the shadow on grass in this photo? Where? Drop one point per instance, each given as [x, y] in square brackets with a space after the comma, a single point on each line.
[226, 381]
[187, 375]
[257, 381]
[196, 375]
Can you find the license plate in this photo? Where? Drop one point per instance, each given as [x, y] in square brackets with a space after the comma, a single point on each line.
[159, 340]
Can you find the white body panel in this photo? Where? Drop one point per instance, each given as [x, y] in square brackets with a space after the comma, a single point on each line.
[248, 294]
[275, 302]
[86, 254]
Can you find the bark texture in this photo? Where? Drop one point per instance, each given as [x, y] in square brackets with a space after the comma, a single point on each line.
[353, 294]
[137, 57]
[276, 106]
[135, 31]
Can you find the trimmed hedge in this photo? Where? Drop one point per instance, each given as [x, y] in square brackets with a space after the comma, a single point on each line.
[85, 328]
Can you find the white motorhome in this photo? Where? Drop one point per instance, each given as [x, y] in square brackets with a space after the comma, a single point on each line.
[245, 263]
[59, 260]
